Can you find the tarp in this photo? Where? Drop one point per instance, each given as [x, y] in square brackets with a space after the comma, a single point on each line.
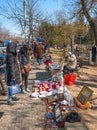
[6, 42]
[40, 39]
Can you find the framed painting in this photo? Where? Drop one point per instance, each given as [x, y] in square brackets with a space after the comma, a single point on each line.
[85, 95]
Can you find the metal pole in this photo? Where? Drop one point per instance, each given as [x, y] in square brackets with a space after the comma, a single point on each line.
[24, 5]
[72, 47]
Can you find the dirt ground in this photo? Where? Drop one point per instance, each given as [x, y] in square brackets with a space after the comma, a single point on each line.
[88, 77]
[28, 113]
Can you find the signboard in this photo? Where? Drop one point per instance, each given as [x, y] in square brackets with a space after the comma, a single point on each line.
[85, 95]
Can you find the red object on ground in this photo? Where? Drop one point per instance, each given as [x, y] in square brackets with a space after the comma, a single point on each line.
[48, 62]
[70, 79]
[54, 86]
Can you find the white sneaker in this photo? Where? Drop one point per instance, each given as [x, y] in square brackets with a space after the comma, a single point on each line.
[27, 90]
[24, 92]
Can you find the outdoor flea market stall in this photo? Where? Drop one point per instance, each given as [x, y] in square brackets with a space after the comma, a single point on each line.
[61, 106]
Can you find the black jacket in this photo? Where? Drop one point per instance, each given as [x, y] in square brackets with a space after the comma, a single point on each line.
[12, 67]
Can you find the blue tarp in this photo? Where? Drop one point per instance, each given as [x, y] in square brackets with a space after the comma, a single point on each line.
[6, 42]
[40, 39]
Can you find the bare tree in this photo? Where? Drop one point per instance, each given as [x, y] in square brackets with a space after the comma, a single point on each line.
[14, 10]
[87, 8]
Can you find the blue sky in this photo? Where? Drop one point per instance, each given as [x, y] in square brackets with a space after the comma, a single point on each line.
[51, 5]
[47, 6]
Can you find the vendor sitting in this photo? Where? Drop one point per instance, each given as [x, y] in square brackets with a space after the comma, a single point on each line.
[71, 64]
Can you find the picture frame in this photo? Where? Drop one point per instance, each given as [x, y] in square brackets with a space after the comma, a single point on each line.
[85, 95]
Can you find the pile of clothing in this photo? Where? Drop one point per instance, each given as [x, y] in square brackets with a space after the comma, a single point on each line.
[47, 88]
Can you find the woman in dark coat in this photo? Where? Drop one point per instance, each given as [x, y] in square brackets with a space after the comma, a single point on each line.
[12, 68]
[94, 52]
[24, 59]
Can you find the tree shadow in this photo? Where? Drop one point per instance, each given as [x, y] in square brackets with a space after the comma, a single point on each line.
[1, 114]
[3, 102]
[91, 81]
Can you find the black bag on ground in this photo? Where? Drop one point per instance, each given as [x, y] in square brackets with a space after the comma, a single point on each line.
[73, 117]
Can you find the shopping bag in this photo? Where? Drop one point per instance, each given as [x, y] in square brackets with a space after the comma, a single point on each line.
[14, 89]
[70, 79]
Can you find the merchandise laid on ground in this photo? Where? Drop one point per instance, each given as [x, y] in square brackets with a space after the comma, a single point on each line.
[58, 101]
[61, 105]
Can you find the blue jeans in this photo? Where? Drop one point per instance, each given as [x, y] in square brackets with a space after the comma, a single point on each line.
[9, 97]
[39, 60]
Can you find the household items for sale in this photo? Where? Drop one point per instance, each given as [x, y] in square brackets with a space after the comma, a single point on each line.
[73, 117]
[80, 105]
[50, 115]
[58, 115]
[47, 59]
[85, 95]
[50, 123]
[54, 112]
[48, 88]
[69, 79]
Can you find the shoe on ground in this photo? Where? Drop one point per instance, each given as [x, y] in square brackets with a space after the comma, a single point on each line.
[15, 98]
[23, 92]
[10, 103]
[28, 90]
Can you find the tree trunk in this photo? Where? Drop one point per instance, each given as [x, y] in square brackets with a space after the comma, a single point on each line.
[90, 20]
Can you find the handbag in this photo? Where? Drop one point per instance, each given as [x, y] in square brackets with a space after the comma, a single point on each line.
[14, 89]
[23, 71]
[27, 67]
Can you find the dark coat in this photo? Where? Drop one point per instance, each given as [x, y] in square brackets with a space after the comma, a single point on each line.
[12, 68]
[23, 58]
[94, 51]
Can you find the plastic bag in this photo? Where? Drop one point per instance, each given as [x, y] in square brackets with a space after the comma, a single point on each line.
[73, 117]
[14, 89]
[70, 79]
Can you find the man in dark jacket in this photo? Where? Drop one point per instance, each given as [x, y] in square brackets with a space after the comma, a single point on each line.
[94, 52]
[12, 69]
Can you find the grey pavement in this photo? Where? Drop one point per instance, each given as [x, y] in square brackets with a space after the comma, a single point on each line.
[29, 113]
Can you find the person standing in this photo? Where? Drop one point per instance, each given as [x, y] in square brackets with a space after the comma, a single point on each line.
[34, 48]
[39, 52]
[65, 52]
[94, 52]
[24, 59]
[12, 69]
